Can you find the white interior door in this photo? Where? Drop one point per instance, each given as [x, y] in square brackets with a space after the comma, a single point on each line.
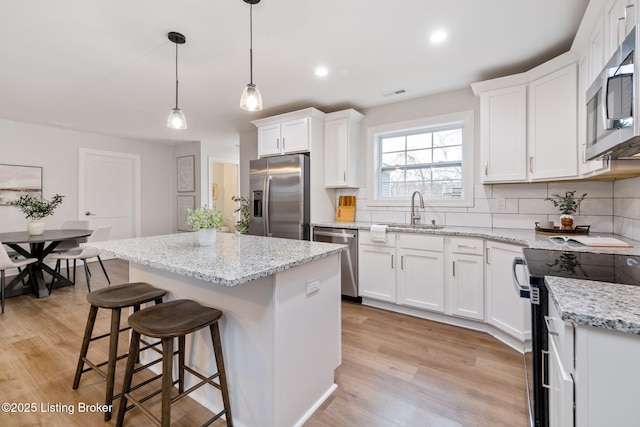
[109, 193]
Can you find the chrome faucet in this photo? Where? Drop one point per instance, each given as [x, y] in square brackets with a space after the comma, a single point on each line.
[416, 216]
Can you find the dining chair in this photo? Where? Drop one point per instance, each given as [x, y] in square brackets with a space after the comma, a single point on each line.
[83, 254]
[67, 245]
[6, 263]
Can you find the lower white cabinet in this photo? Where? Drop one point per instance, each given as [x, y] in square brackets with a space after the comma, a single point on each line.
[560, 375]
[420, 277]
[376, 267]
[465, 278]
[505, 309]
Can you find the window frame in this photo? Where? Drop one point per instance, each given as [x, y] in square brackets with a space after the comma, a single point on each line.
[466, 118]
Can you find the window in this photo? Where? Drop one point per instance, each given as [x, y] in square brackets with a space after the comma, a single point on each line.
[433, 156]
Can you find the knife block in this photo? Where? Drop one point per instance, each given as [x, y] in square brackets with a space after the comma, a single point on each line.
[346, 211]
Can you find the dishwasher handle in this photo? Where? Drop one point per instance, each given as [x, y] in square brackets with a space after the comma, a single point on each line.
[523, 292]
[333, 234]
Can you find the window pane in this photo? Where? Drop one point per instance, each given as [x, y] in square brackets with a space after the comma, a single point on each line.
[416, 142]
[447, 137]
[449, 173]
[419, 157]
[397, 190]
[447, 154]
[422, 174]
[392, 159]
[392, 144]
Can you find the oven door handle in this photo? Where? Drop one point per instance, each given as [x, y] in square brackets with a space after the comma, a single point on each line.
[522, 291]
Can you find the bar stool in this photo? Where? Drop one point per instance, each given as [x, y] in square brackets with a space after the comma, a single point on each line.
[166, 322]
[114, 298]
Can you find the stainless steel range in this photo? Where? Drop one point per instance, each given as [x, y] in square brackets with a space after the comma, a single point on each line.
[539, 263]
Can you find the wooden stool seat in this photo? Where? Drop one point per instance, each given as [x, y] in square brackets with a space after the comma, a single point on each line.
[123, 296]
[173, 319]
[113, 298]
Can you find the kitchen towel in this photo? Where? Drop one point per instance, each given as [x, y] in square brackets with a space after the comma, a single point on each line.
[378, 233]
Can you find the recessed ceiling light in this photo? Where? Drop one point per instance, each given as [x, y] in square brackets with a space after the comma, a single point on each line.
[438, 36]
[322, 71]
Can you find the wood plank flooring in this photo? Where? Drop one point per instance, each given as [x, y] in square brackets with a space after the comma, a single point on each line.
[396, 370]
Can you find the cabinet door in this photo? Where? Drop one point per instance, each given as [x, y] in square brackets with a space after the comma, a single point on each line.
[269, 140]
[376, 272]
[336, 153]
[295, 135]
[553, 116]
[465, 288]
[505, 309]
[421, 279]
[504, 135]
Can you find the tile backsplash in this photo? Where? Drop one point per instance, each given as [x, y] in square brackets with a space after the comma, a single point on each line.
[610, 206]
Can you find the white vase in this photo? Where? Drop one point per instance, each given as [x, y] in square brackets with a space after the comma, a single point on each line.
[35, 227]
[206, 237]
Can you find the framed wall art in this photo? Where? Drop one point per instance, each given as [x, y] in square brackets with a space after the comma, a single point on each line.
[16, 180]
[186, 173]
[184, 204]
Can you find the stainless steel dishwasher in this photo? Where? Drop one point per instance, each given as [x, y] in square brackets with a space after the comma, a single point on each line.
[349, 260]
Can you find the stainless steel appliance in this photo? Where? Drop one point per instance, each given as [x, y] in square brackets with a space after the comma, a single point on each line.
[613, 103]
[539, 263]
[279, 197]
[349, 258]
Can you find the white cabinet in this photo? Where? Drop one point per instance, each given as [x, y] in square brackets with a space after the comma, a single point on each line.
[420, 277]
[560, 361]
[505, 309]
[341, 149]
[620, 17]
[465, 277]
[377, 267]
[503, 133]
[293, 132]
[552, 125]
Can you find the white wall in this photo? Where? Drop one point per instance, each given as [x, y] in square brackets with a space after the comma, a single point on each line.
[56, 151]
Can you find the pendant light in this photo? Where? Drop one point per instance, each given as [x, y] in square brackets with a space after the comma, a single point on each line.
[251, 100]
[176, 119]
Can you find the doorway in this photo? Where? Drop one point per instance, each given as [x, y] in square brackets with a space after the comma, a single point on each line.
[223, 185]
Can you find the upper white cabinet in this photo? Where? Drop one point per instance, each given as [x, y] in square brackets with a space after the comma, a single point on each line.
[341, 148]
[552, 137]
[529, 124]
[288, 133]
[503, 130]
[620, 18]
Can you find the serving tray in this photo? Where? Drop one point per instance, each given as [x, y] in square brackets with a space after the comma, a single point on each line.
[578, 229]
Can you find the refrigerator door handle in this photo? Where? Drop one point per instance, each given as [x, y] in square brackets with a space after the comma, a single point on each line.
[267, 188]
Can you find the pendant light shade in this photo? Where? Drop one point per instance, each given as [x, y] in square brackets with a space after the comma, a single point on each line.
[176, 119]
[251, 100]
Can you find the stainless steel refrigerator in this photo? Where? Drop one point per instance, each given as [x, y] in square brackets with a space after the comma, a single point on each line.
[279, 192]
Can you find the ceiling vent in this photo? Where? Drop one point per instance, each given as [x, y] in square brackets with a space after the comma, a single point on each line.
[394, 92]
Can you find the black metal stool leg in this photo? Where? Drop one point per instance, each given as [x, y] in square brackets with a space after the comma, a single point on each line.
[86, 273]
[104, 270]
[2, 284]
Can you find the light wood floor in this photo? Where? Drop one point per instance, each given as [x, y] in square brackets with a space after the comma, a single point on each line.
[396, 370]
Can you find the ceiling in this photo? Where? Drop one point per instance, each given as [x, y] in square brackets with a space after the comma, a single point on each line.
[108, 67]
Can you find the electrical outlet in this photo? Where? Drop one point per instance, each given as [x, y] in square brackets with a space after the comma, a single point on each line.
[501, 203]
[313, 286]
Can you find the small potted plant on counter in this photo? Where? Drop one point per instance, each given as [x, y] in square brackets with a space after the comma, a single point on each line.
[568, 205]
[206, 221]
[35, 208]
[242, 225]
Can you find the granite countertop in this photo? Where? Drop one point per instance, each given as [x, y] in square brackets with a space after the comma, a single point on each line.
[599, 304]
[526, 238]
[232, 260]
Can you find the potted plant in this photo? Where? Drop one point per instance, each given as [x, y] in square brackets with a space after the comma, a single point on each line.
[568, 205]
[242, 225]
[35, 208]
[206, 221]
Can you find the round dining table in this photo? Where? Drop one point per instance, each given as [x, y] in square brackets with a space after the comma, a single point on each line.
[39, 247]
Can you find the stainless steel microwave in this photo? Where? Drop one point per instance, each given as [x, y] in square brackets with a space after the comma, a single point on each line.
[613, 124]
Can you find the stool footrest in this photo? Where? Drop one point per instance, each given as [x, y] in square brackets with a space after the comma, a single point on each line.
[126, 328]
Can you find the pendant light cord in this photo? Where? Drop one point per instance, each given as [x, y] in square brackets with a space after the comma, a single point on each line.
[176, 75]
[251, 42]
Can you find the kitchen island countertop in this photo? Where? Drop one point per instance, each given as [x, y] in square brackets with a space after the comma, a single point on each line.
[599, 304]
[232, 260]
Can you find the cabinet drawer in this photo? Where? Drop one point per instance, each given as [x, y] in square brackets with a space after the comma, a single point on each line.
[421, 242]
[464, 245]
[365, 239]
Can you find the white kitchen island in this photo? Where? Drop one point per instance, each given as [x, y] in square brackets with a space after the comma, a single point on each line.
[281, 324]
